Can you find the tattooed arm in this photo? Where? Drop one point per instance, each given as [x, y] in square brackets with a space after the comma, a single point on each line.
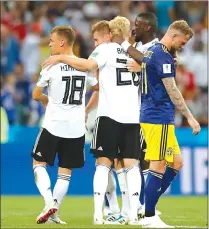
[178, 100]
[176, 96]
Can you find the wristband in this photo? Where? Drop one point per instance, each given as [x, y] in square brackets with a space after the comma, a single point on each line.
[125, 45]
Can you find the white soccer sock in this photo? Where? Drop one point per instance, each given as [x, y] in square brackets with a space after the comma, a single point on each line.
[111, 193]
[43, 183]
[134, 186]
[124, 191]
[100, 187]
[61, 188]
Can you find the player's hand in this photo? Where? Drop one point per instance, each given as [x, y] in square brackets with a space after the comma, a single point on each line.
[52, 60]
[194, 125]
[133, 66]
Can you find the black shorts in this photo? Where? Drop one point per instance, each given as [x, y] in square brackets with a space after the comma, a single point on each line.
[70, 150]
[111, 137]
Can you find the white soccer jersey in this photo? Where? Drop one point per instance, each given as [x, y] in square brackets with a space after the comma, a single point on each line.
[118, 88]
[65, 112]
[143, 48]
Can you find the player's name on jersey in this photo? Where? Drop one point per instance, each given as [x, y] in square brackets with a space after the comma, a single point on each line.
[67, 67]
[121, 51]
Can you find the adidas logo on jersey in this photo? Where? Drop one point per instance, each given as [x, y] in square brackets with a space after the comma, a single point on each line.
[39, 154]
[100, 148]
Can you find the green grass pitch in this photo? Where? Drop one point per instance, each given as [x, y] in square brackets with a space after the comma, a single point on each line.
[21, 212]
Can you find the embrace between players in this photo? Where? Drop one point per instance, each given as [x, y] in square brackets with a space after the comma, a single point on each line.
[133, 84]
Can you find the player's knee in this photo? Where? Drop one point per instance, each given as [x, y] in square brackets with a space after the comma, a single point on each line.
[104, 161]
[130, 162]
[158, 166]
[178, 165]
[65, 171]
[178, 162]
[35, 163]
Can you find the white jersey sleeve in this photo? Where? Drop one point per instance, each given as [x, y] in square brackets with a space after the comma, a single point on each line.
[100, 55]
[43, 79]
[91, 80]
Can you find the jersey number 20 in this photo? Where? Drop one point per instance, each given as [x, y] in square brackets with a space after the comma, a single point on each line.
[121, 82]
[74, 89]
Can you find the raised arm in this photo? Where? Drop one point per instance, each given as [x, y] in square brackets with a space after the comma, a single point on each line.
[178, 100]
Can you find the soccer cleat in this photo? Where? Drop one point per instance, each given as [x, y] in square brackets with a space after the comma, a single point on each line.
[134, 222]
[141, 212]
[111, 217]
[157, 212]
[44, 216]
[98, 221]
[121, 220]
[153, 222]
[54, 218]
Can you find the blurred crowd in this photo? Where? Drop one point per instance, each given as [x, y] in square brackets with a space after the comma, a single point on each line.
[25, 29]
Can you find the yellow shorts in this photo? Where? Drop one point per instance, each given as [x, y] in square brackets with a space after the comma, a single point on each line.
[161, 142]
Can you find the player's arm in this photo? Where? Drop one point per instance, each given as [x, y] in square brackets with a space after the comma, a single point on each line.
[95, 60]
[80, 64]
[133, 66]
[178, 100]
[133, 52]
[37, 93]
[93, 102]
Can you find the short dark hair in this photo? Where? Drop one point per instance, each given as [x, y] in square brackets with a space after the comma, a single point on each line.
[150, 18]
[66, 32]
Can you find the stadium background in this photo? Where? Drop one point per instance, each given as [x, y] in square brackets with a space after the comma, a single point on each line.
[25, 27]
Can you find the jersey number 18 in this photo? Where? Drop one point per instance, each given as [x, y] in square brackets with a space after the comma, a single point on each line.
[73, 89]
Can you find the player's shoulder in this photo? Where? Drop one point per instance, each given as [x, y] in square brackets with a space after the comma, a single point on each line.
[159, 48]
[160, 51]
[51, 70]
[103, 46]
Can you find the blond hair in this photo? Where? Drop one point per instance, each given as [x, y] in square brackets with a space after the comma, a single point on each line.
[66, 32]
[183, 27]
[120, 26]
[101, 26]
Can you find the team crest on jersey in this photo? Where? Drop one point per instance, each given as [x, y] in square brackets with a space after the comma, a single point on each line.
[169, 151]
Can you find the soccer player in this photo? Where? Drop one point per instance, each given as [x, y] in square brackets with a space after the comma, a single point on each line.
[145, 37]
[117, 117]
[160, 96]
[101, 34]
[63, 127]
